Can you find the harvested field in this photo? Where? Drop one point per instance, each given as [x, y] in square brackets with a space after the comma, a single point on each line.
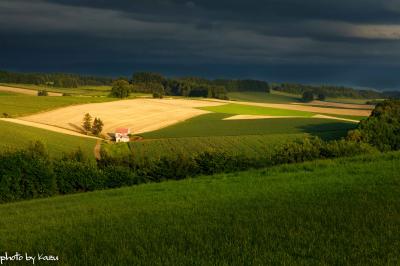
[304, 108]
[140, 115]
[26, 91]
[338, 105]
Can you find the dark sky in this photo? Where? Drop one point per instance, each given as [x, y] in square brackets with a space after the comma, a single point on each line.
[347, 42]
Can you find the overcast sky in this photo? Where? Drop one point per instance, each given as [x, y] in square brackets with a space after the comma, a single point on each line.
[347, 42]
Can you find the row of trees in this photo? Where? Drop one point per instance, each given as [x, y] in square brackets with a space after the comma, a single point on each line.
[31, 173]
[158, 85]
[53, 79]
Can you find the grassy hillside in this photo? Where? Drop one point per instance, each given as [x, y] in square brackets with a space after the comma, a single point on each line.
[214, 125]
[18, 136]
[239, 109]
[252, 146]
[18, 105]
[333, 212]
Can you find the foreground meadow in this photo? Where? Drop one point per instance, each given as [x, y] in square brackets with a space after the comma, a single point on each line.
[335, 212]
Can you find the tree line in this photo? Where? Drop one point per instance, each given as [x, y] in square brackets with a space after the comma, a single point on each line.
[158, 85]
[53, 79]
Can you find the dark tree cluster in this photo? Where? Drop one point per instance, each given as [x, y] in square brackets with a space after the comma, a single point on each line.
[159, 85]
[53, 79]
[95, 128]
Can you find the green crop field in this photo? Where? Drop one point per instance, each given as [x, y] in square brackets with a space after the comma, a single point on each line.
[14, 136]
[18, 105]
[251, 146]
[239, 109]
[214, 125]
[332, 212]
[263, 97]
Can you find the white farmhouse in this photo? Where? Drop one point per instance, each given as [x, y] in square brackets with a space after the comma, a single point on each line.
[122, 135]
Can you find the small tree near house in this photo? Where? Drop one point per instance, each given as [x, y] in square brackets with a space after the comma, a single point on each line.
[97, 126]
[87, 123]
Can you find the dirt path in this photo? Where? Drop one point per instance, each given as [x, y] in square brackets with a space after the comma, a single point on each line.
[313, 109]
[26, 91]
[97, 150]
[47, 127]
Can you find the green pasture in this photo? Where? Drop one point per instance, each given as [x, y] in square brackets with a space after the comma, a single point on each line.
[240, 109]
[332, 212]
[18, 105]
[214, 125]
[14, 136]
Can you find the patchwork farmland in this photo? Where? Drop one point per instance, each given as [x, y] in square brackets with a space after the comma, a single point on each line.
[178, 138]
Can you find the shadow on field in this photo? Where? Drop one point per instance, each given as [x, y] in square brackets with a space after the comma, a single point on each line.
[78, 128]
[329, 131]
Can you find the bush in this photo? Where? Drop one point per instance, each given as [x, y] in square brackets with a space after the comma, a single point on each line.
[26, 174]
[42, 93]
[382, 128]
[308, 96]
[74, 176]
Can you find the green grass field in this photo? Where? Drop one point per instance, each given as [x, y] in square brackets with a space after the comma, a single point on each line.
[239, 109]
[263, 97]
[19, 105]
[14, 136]
[251, 146]
[214, 125]
[333, 212]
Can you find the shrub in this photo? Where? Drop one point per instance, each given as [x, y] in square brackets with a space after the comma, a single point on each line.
[26, 174]
[42, 93]
[74, 176]
[308, 96]
[382, 128]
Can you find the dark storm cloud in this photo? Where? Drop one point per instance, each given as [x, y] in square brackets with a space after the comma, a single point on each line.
[350, 42]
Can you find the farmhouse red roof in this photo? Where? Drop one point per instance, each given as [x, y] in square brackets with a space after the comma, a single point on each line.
[122, 130]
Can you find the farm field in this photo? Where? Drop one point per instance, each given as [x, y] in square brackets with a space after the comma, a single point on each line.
[338, 105]
[213, 124]
[239, 109]
[14, 136]
[25, 91]
[263, 97]
[304, 108]
[248, 145]
[140, 115]
[18, 105]
[81, 90]
[333, 212]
